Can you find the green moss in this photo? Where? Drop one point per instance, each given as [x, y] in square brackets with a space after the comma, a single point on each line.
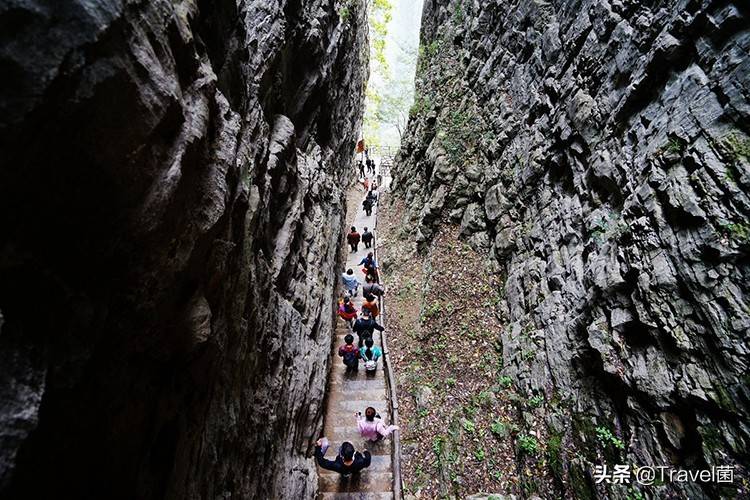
[737, 145]
[422, 105]
[344, 14]
[458, 13]
[738, 231]
[554, 455]
[723, 398]
[580, 485]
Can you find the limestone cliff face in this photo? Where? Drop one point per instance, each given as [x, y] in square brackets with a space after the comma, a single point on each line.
[170, 211]
[599, 152]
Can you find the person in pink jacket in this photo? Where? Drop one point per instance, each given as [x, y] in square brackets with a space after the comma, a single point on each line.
[371, 426]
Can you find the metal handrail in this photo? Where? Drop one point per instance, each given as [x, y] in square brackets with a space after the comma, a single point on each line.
[391, 381]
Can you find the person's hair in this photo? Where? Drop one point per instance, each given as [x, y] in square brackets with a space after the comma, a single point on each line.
[346, 300]
[347, 450]
[369, 297]
[349, 339]
[365, 229]
[368, 278]
[349, 271]
[354, 229]
[369, 254]
[370, 413]
[369, 342]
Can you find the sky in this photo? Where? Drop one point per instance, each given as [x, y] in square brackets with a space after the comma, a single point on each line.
[403, 33]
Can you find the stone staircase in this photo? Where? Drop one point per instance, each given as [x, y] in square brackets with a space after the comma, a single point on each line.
[352, 392]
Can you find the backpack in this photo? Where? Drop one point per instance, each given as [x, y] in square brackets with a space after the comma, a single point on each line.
[350, 359]
[370, 364]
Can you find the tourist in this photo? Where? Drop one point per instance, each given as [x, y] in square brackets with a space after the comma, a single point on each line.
[372, 195]
[349, 353]
[347, 311]
[366, 184]
[368, 261]
[370, 354]
[347, 461]
[371, 305]
[365, 326]
[361, 169]
[353, 239]
[367, 237]
[371, 426]
[372, 288]
[367, 206]
[351, 283]
[371, 271]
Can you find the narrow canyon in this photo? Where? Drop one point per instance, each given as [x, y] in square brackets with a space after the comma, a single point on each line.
[173, 209]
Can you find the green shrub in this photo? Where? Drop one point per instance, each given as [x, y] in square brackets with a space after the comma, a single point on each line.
[528, 444]
[536, 401]
[505, 381]
[606, 437]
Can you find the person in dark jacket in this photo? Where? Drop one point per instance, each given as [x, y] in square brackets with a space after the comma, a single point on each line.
[347, 462]
[353, 239]
[367, 237]
[365, 326]
[368, 261]
[372, 288]
[367, 206]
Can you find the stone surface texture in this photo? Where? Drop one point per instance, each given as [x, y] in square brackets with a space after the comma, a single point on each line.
[599, 152]
[171, 205]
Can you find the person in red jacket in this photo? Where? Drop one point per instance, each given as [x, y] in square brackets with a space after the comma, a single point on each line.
[353, 239]
[347, 311]
[371, 305]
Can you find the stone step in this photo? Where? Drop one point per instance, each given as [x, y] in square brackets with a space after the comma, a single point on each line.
[350, 384]
[375, 394]
[366, 481]
[356, 496]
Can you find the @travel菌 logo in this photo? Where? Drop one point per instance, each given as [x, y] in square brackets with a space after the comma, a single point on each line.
[649, 475]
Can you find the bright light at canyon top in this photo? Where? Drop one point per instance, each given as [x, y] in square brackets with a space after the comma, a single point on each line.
[391, 86]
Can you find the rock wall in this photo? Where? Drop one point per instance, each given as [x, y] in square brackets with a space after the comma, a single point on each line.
[171, 205]
[599, 152]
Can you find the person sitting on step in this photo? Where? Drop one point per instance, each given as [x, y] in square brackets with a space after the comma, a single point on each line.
[371, 426]
[350, 354]
[347, 462]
